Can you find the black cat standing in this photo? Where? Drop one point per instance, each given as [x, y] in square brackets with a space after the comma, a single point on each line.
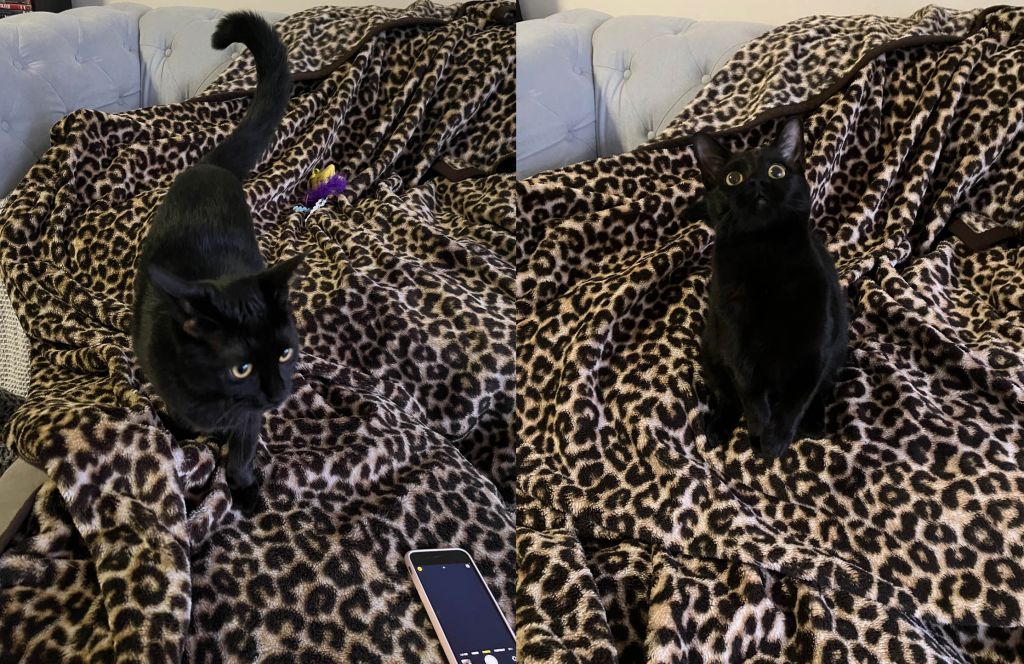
[776, 328]
[213, 329]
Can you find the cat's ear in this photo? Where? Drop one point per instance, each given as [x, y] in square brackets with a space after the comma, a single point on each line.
[184, 295]
[277, 276]
[711, 157]
[790, 143]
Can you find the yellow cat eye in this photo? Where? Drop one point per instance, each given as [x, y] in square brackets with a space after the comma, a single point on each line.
[285, 355]
[776, 171]
[241, 371]
[733, 178]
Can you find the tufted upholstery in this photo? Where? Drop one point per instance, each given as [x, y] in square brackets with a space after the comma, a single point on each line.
[177, 60]
[111, 58]
[555, 114]
[56, 63]
[642, 71]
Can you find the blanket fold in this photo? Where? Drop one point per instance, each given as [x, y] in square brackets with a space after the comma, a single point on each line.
[897, 537]
[397, 435]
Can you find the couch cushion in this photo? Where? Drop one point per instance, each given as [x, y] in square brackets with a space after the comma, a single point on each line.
[646, 68]
[555, 91]
[177, 58]
[58, 63]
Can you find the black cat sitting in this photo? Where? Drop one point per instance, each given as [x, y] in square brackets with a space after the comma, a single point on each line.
[213, 329]
[776, 327]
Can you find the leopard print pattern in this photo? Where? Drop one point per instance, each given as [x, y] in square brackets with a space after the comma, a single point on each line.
[478, 136]
[397, 435]
[897, 537]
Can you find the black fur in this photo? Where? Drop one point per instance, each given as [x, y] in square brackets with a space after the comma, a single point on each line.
[776, 327]
[205, 301]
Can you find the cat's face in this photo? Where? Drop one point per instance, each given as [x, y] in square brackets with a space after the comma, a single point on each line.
[236, 342]
[753, 188]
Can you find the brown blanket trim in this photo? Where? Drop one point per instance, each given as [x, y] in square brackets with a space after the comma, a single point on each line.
[981, 240]
[455, 174]
[840, 83]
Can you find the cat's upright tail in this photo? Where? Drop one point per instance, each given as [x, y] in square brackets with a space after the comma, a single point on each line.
[244, 147]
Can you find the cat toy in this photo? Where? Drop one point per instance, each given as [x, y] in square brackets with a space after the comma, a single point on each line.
[324, 182]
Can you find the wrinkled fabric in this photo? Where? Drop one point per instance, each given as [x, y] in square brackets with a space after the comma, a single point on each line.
[899, 536]
[397, 435]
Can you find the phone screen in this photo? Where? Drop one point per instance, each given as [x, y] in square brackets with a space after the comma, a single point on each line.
[471, 621]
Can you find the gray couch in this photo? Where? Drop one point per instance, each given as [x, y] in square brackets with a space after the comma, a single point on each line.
[112, 58]
[591, 85]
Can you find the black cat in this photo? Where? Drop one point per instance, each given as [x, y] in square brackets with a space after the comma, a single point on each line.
[213, 329]
[776, 327]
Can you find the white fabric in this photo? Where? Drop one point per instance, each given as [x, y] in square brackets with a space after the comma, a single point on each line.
[14, 353]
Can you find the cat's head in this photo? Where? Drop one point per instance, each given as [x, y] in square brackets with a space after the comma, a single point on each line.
[755, 188]
[235, 337]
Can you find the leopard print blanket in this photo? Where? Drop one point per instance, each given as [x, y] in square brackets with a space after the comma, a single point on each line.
[397, 435]
[898, 537]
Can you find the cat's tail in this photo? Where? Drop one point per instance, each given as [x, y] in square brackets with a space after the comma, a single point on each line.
[244, 147]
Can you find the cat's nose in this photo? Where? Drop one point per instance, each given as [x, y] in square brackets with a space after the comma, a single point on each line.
[275, 390]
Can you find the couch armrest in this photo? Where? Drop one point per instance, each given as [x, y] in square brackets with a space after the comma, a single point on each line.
[52, 64]
[555, 121]
[18, 488]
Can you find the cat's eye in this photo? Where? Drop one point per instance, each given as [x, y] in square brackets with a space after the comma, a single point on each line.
[733, 178]
[285, 355]
[776, 171]
[241, 371]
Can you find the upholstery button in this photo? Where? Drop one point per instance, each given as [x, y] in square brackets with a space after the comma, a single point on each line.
[4, 125]
[167, 52]
[78, 57]
[577, 70]
[705, 79]
[650, 134]
[626, 74]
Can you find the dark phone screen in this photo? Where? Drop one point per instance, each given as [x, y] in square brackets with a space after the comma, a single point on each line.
[473, 625]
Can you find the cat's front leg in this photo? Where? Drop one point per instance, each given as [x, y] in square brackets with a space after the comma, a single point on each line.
[242, 443]
[813, 423]
[723, 407]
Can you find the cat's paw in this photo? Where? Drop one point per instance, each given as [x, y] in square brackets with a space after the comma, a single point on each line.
[246, 499]
[718, 430]
[769, 446]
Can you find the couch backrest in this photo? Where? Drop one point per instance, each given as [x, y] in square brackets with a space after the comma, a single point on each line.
[176, 57]
[590, 85]
[113, 58]
[52, 64]
[647, 68]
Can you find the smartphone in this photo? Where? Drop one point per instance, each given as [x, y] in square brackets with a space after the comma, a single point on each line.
[461, 607]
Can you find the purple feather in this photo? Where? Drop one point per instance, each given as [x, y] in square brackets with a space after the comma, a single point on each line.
[334, 185]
